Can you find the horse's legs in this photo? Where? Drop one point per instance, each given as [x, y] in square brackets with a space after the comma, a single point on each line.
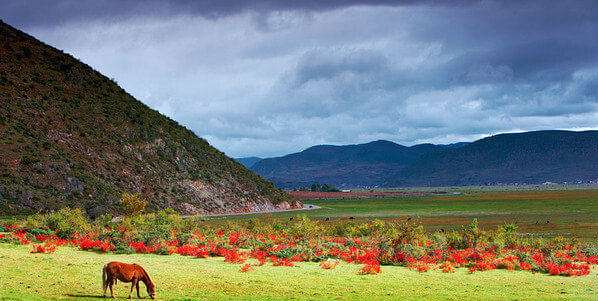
[104, 280]
[105, 286]
[112, 288]
[132, 287]
[138, 296]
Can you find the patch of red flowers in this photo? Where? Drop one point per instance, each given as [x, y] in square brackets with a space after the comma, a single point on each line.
[247, 268]
[370, 268]
[95, 245]
[43, 249]
[283, 250]
[281, 261]
[234, 257]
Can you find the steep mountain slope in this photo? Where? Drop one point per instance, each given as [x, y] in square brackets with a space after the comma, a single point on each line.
[72, 137]
[531, 157]
[348, 165]
[249, 161]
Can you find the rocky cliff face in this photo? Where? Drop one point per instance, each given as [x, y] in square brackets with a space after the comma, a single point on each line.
[69, 136]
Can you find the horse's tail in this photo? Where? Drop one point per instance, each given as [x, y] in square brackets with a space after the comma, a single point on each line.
[104, 277]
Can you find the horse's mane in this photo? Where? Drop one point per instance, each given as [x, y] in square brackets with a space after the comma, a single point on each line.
[146, 275]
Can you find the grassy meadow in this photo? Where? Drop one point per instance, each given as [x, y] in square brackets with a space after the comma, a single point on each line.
[70, 274]
[569, 212]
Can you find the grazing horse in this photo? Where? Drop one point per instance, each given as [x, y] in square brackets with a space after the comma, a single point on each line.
[126, 273]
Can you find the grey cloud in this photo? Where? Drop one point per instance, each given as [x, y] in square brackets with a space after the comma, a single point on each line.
[489, 74]
[267, 78]
[331, 63]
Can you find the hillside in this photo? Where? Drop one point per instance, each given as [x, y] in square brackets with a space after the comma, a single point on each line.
[530, 158]
[349, 165]
[70, 136]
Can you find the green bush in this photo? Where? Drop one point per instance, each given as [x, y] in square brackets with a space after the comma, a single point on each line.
[162, 250]
[123, 250]
[66, 221]
[37, 232]
[36, 221]
[303, 226]
[183, 238]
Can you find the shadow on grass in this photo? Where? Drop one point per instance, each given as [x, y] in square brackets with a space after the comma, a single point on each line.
[99, 296]
[88, 296]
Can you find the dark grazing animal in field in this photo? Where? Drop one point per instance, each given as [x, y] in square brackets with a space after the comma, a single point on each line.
[126, 273]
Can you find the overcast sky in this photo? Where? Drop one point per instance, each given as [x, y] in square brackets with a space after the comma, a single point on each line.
[266, 78]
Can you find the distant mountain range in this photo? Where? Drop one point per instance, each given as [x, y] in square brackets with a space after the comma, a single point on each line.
[350, 165]
[249, 161]
[522, 158]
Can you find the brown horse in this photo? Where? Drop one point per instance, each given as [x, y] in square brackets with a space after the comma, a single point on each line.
[126, 273]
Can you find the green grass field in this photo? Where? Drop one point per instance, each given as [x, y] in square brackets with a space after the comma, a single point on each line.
[72, 274]
[570, 213]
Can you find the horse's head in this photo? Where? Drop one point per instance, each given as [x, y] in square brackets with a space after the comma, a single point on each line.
[151, 290]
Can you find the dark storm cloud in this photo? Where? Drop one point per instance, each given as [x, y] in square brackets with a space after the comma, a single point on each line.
[52, 12]
[271, 77]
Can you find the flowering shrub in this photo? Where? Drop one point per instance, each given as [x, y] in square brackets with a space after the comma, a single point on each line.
[233, 256]
[447, 267]
[525, 266]
[141, 248]
[247, 268]
[420, 266]
[43, 249]
[411, 248]
[281, 261]
[371, 267]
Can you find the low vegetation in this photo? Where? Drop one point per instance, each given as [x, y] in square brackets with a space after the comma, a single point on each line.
[316, 258]
[373, 243]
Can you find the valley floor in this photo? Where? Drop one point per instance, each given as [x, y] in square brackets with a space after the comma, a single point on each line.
[543, 213]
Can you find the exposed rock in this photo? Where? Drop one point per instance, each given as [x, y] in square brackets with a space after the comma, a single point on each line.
[25, 198]
[73, 184]
[96, 211]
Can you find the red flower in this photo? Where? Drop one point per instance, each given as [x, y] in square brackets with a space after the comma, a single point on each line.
[247, 268]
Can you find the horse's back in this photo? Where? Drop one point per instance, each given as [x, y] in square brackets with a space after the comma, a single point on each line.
[124, 271]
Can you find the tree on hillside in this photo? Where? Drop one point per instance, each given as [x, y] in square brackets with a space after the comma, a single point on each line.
[133, 204]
